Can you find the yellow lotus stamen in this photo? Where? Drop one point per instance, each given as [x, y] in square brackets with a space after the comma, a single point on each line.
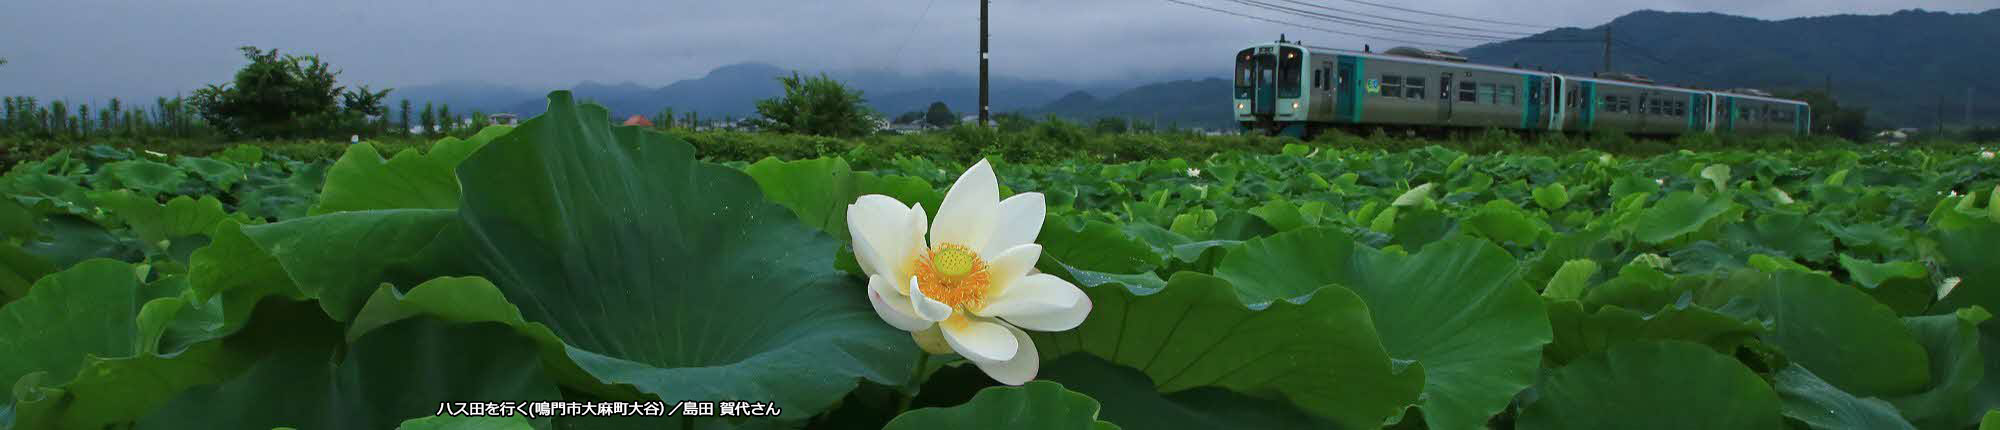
[954, 275]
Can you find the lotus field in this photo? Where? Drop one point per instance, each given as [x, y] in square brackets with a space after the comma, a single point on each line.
[529, 271]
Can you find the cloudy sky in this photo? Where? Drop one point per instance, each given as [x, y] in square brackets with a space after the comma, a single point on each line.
[87, 49]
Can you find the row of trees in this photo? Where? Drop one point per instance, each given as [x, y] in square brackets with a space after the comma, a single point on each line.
[170, 117]
[275, 96]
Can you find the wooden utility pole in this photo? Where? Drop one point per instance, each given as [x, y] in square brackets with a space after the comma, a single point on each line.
[984, 108]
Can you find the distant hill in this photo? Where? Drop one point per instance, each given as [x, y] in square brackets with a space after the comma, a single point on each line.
[1187, 103]
[1897, 65]
[733, 90]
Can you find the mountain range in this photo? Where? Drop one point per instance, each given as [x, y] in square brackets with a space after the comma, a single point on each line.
[1910, 68]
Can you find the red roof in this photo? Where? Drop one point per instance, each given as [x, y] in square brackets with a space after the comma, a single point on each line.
[639, 120]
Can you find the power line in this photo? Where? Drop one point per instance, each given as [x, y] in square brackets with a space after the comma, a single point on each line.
[912, 32]
[1482, 30]
[1309, 27]
[1442, 15]
[1647, 54]
[1365, 24]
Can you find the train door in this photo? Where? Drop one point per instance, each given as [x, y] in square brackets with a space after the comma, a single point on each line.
[1267, 83]
[1698, 112]
[1558, 110]
[1531, 109]
[1444, 98]
[1348, 90]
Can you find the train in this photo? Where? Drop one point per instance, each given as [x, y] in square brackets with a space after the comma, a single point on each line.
[1289, 88]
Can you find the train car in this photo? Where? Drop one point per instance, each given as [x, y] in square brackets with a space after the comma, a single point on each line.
[1293, 89]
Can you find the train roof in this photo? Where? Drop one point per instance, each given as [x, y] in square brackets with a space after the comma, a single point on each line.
[1503, 69]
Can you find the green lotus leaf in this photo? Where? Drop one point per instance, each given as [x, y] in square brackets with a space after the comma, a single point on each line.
[179, 218]
[1458, 308]
[1822, 406]
[1789, 232]
[1035, 405]
[362, 180]
[1503, 221]
[1130, 399]
[1579, 333]
[220, 174]
[667, 274]
[1957, 367]
[819, 190]
[1095, 246]
[398, 372]
[148, 177]
[1839, 333]
[1966, 246]
[1678, 214]
[339, 258]
[18, 271]
[1319, 353]
[1905, 286]
[1690, 387]
[1552, 197]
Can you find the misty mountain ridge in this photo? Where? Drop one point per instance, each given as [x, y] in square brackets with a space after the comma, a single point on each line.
[1905, 68]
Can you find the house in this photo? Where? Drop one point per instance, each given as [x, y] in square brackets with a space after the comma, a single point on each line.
[503, 119]
[639, 120]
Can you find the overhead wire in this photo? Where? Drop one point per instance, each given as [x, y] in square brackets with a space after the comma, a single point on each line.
[1445, 15]
[1370, 25]
[1387, 18]
[1315, 28]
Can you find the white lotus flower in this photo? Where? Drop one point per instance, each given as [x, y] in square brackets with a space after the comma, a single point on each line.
[974, 279]
[1986, 155]
[1193, 172]
[1944, 288]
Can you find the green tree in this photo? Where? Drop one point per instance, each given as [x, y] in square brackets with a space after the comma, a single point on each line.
[273, 96]
[817, 106]
[692, 119]
[404, 125]
[939, 115]
[1830, 118]
[430, 120]
[1111, 125]
[445, 121]
[909, 117]
[1013, 122]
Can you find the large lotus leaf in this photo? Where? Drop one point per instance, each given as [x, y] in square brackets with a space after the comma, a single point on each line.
[84, 327]
[1458, 308]
[1096, 246]
[1678, 214]
[1905, 286]
[819, 190]
[1035, 405]
[668, 274]
[340, 258]
[47, 193]
[180, 217]
[1579, 333]
[88, 310]
[234, 274]
[220, 174]
[67, 240]
[1131, 400]
[401, 371]
[1966, 244]
[1957, 366]
[147, 177]
[1791, 233]
[1824, 407]
[1837, 332]
[1503, 221]
[112, 391]
[1321, 352]
[1687, 386]
[362, 180]
[19, 271]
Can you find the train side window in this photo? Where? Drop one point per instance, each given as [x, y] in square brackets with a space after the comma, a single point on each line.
[1392, 86]
[1413, 87]
[1506, 95]
[1486, 93]
[1468, 91]
[1610, 103]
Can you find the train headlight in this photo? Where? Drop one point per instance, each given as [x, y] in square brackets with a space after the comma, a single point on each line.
[1239, 106]
[1295, 105]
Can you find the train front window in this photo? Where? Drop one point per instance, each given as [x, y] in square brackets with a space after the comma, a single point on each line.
[1244, 72]
[1291, 66]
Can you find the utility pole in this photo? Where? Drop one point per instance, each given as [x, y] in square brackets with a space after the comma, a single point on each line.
[1607, 48]
[984, 108]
